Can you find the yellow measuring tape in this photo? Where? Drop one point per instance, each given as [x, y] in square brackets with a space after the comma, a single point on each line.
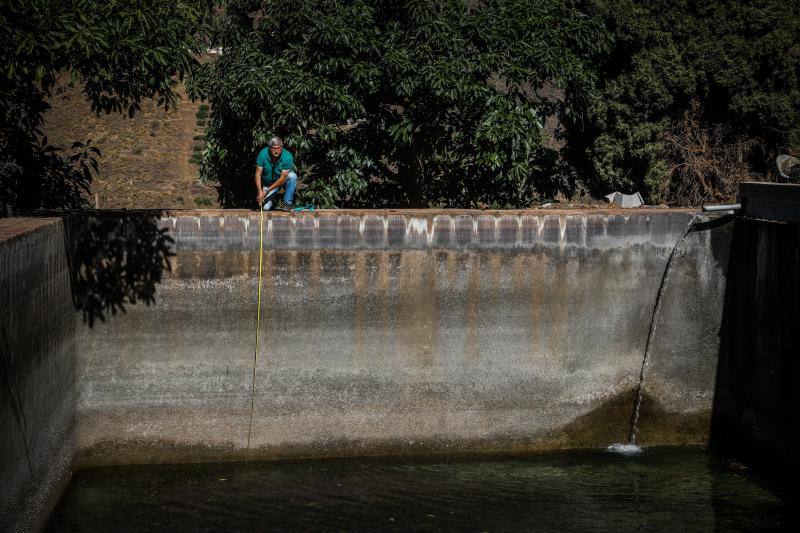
[258, 325]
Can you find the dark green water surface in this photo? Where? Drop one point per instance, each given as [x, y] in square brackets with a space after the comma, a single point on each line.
[660, 490]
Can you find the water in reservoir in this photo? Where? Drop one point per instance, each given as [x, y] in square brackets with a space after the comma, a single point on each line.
[668, 489]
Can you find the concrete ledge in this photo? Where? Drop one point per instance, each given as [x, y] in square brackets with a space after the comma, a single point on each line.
[777, 202]
[457, 230]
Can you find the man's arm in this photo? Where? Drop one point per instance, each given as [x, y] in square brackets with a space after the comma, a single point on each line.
[261, 194]
[279, 181]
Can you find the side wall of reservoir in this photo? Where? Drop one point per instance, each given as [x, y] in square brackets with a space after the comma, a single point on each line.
[37, 372]
[404, 332]
[756, 390]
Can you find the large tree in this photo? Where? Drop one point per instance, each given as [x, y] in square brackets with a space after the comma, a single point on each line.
[120, 53]
[392, 102]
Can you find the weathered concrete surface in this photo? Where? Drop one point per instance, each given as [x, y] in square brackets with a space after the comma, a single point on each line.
[398, 332]
[757, 394]
[37, 372]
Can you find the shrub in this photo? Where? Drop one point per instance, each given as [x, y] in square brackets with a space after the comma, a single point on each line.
[737, 62]
[707, 162]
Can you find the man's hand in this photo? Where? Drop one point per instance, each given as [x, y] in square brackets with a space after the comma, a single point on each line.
[260, 196]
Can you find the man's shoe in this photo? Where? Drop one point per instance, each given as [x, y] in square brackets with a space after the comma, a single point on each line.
[285, 207]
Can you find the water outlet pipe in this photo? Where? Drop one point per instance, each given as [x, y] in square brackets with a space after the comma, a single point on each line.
[721, 207]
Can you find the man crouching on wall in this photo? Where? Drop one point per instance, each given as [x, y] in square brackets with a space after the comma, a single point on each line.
[274, 169]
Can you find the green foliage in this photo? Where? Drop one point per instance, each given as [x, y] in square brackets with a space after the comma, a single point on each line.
[197, 154]
[417, 102]
[203, 201]
[120, 52]
[736, 61]
[389, 102]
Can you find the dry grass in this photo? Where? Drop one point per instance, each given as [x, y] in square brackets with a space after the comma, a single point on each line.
[708, 164]
[145, 159]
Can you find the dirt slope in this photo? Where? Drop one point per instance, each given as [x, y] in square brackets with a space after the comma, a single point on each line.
[145, 159]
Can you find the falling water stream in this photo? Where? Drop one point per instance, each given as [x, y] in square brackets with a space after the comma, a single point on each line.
[631, 447]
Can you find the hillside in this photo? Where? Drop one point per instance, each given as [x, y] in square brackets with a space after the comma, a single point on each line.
[145, 159]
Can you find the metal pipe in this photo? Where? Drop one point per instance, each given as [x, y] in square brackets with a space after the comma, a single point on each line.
[721, 207]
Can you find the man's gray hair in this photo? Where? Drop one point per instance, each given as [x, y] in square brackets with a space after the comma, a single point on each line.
[275, 141]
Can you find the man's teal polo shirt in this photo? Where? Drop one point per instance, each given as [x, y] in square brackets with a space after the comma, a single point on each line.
[272, 171]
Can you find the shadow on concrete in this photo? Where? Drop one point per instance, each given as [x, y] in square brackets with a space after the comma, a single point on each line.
[756, 394]
[9, 378]
[115, 259]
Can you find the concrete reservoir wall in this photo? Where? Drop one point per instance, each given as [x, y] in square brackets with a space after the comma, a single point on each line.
[381, 332]
[38, 392]
[756, 392]
[405, 332]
